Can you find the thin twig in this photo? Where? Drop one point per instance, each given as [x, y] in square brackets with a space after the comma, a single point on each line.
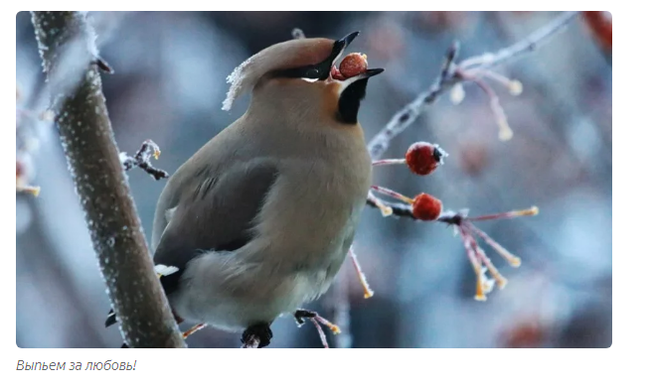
[321, 333]
[407, 115]
[337, 304]
[142, 159]
[505, 132]
[398, 209]
[367, 292]
[193, 330]
[528, 44]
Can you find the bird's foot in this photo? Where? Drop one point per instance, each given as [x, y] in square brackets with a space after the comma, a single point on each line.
[301, 314]
[257, 336]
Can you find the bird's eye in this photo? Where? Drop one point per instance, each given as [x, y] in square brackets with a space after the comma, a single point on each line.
[312, 73]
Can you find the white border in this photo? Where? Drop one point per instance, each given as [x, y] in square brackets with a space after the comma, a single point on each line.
[396, 366]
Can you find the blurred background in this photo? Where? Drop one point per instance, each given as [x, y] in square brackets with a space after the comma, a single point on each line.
[169, 82]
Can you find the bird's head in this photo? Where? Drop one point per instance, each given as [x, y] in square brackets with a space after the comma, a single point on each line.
[297, 76]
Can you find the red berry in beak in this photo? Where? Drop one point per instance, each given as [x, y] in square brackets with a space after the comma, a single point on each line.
[353, 64]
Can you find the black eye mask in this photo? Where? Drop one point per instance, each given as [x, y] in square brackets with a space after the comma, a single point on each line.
[319, 71]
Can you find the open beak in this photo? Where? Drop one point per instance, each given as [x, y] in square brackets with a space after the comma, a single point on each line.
[370, 73]
[353, 89]
[341, 44]
[365, 75]
[321, 71]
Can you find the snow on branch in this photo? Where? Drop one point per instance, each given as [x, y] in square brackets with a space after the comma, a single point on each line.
[142, 159]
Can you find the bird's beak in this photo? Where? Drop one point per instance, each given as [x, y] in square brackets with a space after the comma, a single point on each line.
[321, 71]
[370, 73]
[341, 44]
[365, 75]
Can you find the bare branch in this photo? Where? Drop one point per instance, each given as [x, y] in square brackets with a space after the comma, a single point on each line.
[408, 114]
[89, 145]
[449, 77]
[398, 209]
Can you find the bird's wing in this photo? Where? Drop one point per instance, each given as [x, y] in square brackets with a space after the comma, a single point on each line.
[206, 211]
[214, 213]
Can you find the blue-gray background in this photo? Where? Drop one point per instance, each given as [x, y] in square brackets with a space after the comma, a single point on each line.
[169, 82]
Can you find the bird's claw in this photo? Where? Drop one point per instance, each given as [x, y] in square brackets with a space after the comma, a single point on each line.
[257, 336]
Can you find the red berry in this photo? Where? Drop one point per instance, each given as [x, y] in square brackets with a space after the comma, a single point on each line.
[423, 158]
[426, 207]
[353, 64]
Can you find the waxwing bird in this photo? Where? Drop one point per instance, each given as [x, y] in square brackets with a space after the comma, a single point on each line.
[259, 220]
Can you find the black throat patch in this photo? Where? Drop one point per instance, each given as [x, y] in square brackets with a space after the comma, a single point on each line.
[350, 101]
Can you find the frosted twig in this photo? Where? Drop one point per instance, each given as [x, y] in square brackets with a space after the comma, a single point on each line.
[465, 226]
[388, 162]
[142, 160]
[321, 333]
[297, 33]
[397, 209]
[374, 201]
[528, 44]
[448, 78]
[193, 330]
[505, 132]
[514, 86]
[367, 292]
[337, 304]
[407, 115]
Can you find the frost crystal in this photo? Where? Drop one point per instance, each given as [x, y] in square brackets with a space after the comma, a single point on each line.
[123, 157]
[236, 79]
